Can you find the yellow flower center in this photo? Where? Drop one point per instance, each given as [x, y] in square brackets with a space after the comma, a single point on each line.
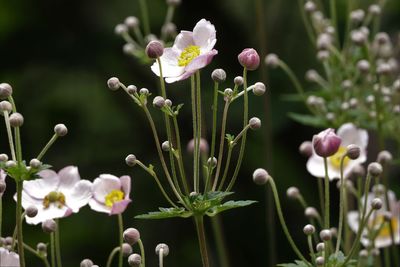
[188, 54]
[337, 157]
[54, 197]
[384, 230]
[114, 196]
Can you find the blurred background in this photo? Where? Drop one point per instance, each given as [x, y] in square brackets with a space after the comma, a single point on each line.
[58, 55]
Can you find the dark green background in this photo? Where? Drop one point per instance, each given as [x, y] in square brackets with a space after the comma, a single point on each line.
[58, 56]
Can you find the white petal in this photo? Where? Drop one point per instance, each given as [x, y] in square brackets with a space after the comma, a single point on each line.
[28, 200]
[69, 176]
[204, 35]
[126, 185]
[169, 64]
[315, 166]
[103, 185]
[353, 220]
[95, 205]
[39, 188]
[350, 134]
[79, 195]
[8, 259]
[183, 40]
[52, 212]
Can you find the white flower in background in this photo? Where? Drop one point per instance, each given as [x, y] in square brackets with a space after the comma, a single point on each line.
[56, 195]
[377, 226]
[349, 134]
[8, 259]
[2, 180]
[111, 194]
[191, 51]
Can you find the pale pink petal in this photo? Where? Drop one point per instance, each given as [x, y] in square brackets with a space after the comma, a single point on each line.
[353, 220]
[350, 134]
[120, 206]
[39, 188]
[28, 200]
[183, 40]
[100, 207]
[69, 176]
[200, 61]
[8, 259]
[103, 185]
[169, 64]
[52, 212]
[79, 196]
[204, 35]
[126, 185]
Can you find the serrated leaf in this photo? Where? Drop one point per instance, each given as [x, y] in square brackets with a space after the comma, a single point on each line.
[229, 205]
[308, 120]
[165, 213]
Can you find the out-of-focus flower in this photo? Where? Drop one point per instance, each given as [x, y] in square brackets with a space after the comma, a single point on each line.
[111, 194]
[8, 259]
[56, 195]
[349, 134]
[191, 51]
[2, 182]
[378, 224]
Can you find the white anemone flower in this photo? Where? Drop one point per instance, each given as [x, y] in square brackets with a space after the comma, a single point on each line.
[349, 134]
[2, 179]
[378, 229]
[56, 195]
[191, 51]
[8, 259]
[111, 194]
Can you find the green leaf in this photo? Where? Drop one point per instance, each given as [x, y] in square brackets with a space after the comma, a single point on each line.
[165, 213]
[229, 205]
[20, 172]
[308, 120]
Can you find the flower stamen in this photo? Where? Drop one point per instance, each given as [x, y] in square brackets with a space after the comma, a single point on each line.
[113, 197]
[188, 54]
[54, 197]
[337, 157]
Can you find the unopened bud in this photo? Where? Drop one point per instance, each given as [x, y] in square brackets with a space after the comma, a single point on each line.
[31, 211]
[11, 164]
[376, 204]
[203, 146]
[325, 235]
[131, 89]
[363, 254]
[309, 229]
[353, 151]
[363, 65]
[113, 83]
[163, 249]
[165, 146]
[357, 15]
[384, 157]
[41, 248]
[135, 260]
[306, 149]
[212, 162]
[168, 102]
[158, 102]
[238, 80]
[16, 119]
[259, 89]
[320, 247]
[126, 249]
[130, 160]
[132, 22]
[293, 193]
[310, 6]
[3, 157]
[169, 29]
[249, 59]
[272, 60]
[254, 123]
[49, 226]
[320, 261]
[326, 143]
[131, 236]
[311, 213]
[5, 106]
[375, 169]
[218, 75]
[35, 163]
[144, 91]
[120, 29]
[60, 129]
[86, 263]
[260, 176]
[5, 90]
[154, 49]
[129, 49]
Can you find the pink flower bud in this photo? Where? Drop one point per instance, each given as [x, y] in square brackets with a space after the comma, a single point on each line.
[154, 49]
[326, 143]
[249, 59]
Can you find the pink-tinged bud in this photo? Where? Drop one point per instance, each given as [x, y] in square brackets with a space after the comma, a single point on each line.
[249, 59]
[326, 143]
[154, 49]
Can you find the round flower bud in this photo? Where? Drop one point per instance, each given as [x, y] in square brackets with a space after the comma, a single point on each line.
[311, 213]
[130, 160]
[11, 164]
[154, 49]
[323, 55]
[163, 249]
[320, 261]
[376, 204]
[384, 157]
[113, 83]
[325, 235]
[255, 123]
[5, 106]
[363, 65]
[382, 38]
[3, 187]
[228, 92]
[312, 76]
[357, 15]
[326, 143]
[193, 194]
[375, 169]
[120, 29]
[320, 247]
[249, 59]
[131, 236]
[218, 75]
[293, 193]
[41, 248]
[168, 102]
[126, 249]
[60, 129]
[259, 89]
[169, 29]
[131, 22]
[49, 226]
[158, 102]
[86, 263]
[260, 176]
[165, 146]
[334, 231]
[5, 90]
[3, 157]
[309, 229]
[363, 254]
[144, 91]
[384, 69]
[358, 37]
[31, 211]
[129, 49]
[173, 2]
[272, 60]
[310, 6]
[238, 80]
[374, 10]
[353, 151]
[347, 84]
[134, 260]
[35, 163]
[131, 89]
[8, 240]
[16, 119]
[212, 162]
[203, 146]
[324, 41]
[306, 149]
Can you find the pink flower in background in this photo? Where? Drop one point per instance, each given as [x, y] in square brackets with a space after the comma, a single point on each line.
[8, 259]
[111, 194]
[191, 51]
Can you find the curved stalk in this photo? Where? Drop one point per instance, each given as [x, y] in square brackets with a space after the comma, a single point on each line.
[111, 256]
[142, 252]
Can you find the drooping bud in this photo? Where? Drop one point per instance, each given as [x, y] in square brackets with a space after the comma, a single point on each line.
[135, 260]
[60, 129]
[130, 160]
[311, 213]
[218, 75]
[254, 123]
[375, 169]
[16, 119]
[154, 49]
[326, 143]
[5, 90]
[260, 176]
[49, 226]
[249, 59]
[259, 89]
[113, 83]
[353, 151]
[162, 249]
[131, 236]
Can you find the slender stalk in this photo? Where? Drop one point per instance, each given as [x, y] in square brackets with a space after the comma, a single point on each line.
[194, 122]
[198, 111]
[19, 225]
[34, 252]
[1, 214]
[121, 239]
[283, 223]
[10, 137]
[311, 248]
[202, 240]
[161, 257]
[47, 146]
[327, 204]
[145, 16]
[180, 157]
[332, 10]
[57, 244]
[142, 253]
[52, 250]
[111, 256]
[306, 23]
[169, 15]
[321, 196]
[222, 250]
[293, 79]
[341, 205]
[18, 146]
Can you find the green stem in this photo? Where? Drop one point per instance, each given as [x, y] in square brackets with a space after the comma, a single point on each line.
[199, 122]
[1, 214]
[19, 225]
[311, 248]
[52, 250]
[202, 240]
[121, 240]
[47, 146]
[341, 206]
[222, 250]
[228, 161]
[34, 252]
[9, 134]
[283, 223]
[327, 204]
[306, 22]
[294, 80]
[111, 256]
[321, 196]
[57, 244]
[18, 146]
[194, 122]
[180, 159]
[142, 252]
[333, 17]
[145, 16]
